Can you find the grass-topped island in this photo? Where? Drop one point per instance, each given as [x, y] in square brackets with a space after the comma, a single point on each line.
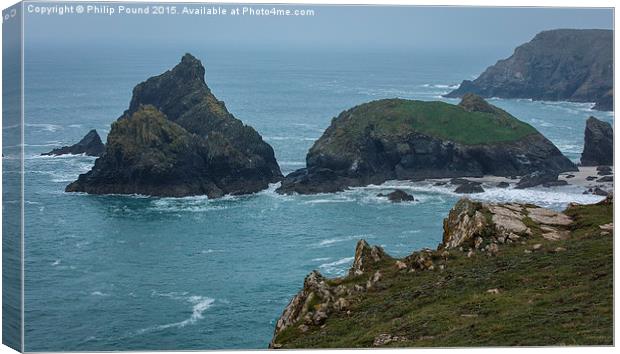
[406, 139]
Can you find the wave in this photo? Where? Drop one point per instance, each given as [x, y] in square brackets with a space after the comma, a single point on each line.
[44, 126]
[554, 197]
[442, 86]
[292, 163]
[297, 138]
[99, 293]
[331, 241]
[199, 305]
[338, 267]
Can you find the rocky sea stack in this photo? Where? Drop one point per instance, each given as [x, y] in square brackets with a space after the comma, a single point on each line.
[412, 140]
[177, 139]
[564, 64]
[598, 148]
[90, 145]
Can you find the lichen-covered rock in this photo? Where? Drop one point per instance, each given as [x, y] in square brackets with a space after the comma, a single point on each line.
[90, 145]
[176, 139]
[473, 225]
[405, 139]
[366, 258]
[314, 291]
[564, 64]
[598, 148]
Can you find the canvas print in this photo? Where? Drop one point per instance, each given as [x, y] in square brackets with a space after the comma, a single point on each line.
[251, 176]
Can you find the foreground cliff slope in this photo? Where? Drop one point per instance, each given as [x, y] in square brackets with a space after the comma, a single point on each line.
[504, 275]
[564, 64]
[177, 139]
[406, 139]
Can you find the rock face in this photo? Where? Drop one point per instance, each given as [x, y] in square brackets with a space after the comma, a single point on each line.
[176, 139]
[564, 64]
[90, 145]
[598, 146]
[404, 139]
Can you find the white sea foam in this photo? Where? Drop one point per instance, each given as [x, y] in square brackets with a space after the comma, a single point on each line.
[99, 293]
[199, 305]
[296, 138]
[337, 267]
[331, 241]
[292, 163]
[44, 127]
[555, 197]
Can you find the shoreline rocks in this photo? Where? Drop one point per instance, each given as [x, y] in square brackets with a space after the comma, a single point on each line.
[557, 65]
[90, 145]
[177, 139]
[415, 140]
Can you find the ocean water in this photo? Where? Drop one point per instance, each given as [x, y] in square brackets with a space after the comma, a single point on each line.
[135, 272]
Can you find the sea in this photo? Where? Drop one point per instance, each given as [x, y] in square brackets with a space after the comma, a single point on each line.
[134, 272]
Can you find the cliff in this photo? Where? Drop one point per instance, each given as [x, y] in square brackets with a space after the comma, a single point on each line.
[176, 139]
[504, 275]
[563, 64]
[405, 139]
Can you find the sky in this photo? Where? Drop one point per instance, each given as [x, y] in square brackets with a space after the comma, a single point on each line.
[332, 27]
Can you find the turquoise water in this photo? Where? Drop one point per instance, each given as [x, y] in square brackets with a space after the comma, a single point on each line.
[133, 272]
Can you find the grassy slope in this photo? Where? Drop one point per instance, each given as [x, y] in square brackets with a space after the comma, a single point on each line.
[546, 298]
[438, 119]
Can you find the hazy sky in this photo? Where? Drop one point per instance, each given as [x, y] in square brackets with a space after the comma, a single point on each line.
[378, 27]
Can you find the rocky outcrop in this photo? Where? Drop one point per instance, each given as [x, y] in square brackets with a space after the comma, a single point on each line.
[366, 258]
[318, 298]
[397, 196]
[564, 64]
[90, 145]
[176, 139]
[497, 236]
[598, 146]
[404, 140]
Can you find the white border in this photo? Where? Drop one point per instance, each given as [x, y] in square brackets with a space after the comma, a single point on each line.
[481, 3]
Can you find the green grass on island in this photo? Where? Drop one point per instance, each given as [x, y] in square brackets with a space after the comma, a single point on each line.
[437, 119]
[543, 297]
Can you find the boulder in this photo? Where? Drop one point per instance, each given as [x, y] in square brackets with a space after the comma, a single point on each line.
[605, 179]
[598, 191]
[397, 196]
[90, 145]
[598, 146]
[469, 188]
[503, 185]
[177, 139]
[537, 178]
[555, 183]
